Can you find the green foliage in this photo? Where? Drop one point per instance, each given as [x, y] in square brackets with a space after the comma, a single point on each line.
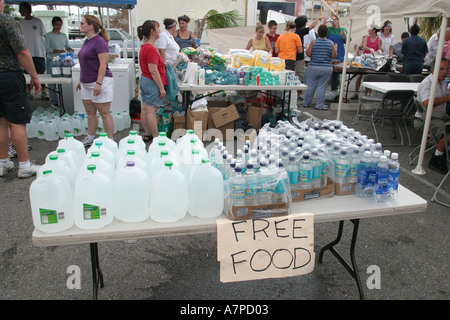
[216, 20]
[429, 26]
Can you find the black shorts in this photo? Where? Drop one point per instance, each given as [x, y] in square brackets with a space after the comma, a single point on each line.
[14, 103]
[289, 64]
[39, 65]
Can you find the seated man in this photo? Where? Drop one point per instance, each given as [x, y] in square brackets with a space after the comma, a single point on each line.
[438, 116]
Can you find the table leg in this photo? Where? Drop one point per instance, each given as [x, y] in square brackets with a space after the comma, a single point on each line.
[353, 268]
[97, 275]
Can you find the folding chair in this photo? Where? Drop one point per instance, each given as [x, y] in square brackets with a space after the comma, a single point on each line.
[434, 198]
[366, 98]
[416, 77]
[398, 77]
[393, 113]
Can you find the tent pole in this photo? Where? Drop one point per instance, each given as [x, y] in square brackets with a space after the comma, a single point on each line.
[419, 168]
[344, 70]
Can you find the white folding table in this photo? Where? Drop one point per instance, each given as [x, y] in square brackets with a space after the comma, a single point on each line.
[384, 87]
[336, 208]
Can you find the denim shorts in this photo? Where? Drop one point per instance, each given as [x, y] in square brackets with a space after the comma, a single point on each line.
[150, 92]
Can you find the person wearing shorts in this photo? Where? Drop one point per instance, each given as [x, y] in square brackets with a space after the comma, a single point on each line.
[15, 110]
[153, 78]
[96, 80]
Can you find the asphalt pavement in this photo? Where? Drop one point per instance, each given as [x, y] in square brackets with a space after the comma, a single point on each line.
[411, 251]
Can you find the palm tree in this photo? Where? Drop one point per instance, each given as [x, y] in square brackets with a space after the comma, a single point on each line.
[429, 26]
[215, 20]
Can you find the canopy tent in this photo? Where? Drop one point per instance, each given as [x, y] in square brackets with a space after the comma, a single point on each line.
[375, 11]
[116, 4]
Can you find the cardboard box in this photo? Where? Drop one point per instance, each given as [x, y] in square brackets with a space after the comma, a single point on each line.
[255, 212]
[254, 115]
[316, 193]
[179, 123]
[198, 121]
[165, 121]
[344, 189]
[225, 116]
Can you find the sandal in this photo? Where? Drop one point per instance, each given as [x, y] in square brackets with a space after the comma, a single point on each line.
[147, 138]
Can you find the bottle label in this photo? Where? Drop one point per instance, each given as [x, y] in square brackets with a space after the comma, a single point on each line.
[281, 186]
[50, 216]
[341, 170]
[56, 71]
[92, 212]
[237, 191]
[251, 190]
[324, 168]
[304, 176]
[393, 179]
[353, 170]
[293, 177]
[316, 173]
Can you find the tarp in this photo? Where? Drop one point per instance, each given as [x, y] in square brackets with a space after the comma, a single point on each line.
[380, 10]
[117, 4]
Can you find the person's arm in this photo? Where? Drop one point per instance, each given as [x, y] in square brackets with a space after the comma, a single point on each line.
[249, 44]
[162, 53]
[26, 61]
[313, 25]
[153, 68]
[268, 45]
[309, 50]
[103, 58]
[193, 40]
[333, 50]
[437, 101]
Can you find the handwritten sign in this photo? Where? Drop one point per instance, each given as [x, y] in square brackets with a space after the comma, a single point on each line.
[274, 247]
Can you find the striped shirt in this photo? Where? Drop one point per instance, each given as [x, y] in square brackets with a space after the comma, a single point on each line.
[321, 53]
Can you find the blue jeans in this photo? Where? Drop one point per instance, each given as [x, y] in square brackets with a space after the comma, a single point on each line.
[412, 67]
[317, 78]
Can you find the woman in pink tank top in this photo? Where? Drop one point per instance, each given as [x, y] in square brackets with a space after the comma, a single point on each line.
[372, 43]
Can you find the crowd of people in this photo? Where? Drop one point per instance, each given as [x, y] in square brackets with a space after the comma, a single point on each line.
[28, 47]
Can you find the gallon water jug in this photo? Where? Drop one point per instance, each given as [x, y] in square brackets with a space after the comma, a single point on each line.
[108, 143]
[162, 137]
[126, 120]
[77, 126]
[206, 191]
[65, 127]
[31, 128]
[55, 67]
[169, 199]
[59, 167]
[155, 152]
[158, 165]
[118, 122]
[187, 137]
[72, 144]
[100, 127]
[93, 199]
[69, 157]
[102, 165]
[51, 131]
[51, 201]
[66, 67]
[189, 164]
[40, 129]
[105, 154]
[131, 156]
[132, 194]
[131, 145]
[134, 136]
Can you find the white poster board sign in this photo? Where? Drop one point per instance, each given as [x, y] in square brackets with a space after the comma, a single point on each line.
[263, 248]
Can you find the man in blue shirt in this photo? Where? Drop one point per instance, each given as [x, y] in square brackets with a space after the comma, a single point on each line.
[414, 50]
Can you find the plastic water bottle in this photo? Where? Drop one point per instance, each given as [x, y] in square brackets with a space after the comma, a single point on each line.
[372, 180]
[305, 169]
[77, 126]
[162, 136]
[251, 186]
[131, 156]
[264, 184]
[41, 129]
[317, 168]
[169, 199]
[55, 67]
[354, 166]
[131, 145]
[292, 171]
[157, 165]
[280, 193]
[363, 174]
[101, 164]
[108, 143]
[51, 131]
[72, 144]
[68, 156]
[394, 172]
[237, 188]
[65, 128]
[134, 136]
[93, 200]
[132, 194]
[51, 200]
[206, 191]
[118, 122]
[213, 151]
[382, 186]
[59, 167]
[31, 128]
[324, 169]
[155, 150]
[126, 119]
[341, 167]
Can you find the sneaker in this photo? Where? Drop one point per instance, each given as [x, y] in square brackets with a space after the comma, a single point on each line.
[438, 164]
[87, 141]
[28, 172]
[325, 107]
[11, 151]
[354, 97]
[4, 168]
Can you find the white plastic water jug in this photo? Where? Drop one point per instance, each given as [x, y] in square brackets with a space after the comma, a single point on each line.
[169, 199]
[51, 200]
[131, 145]
[162, 136]
[131, 156]
[65, 127]
[110, 144]
[69, 157]
[31, 128]
[118, 122]
[206, 191]
[101, 164]
[155, 152]
[40, 129]
[126, 119]
[72, 144]
[51, 131]
[59, 167]
[132, 194]
[93, 199]
[158, 165]
[132, 135]
[189, 162]
[77, 126]
[105, 154]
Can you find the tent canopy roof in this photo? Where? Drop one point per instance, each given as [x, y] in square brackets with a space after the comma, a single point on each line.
[363, 9]
[117, 4]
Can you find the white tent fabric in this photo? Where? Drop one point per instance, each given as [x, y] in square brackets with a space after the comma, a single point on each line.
[373, 9]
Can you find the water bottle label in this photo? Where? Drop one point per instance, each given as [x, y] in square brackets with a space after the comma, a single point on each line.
[56, 70]
[353, 170]
[237, 192]
[281, 186]
[316, 172]
[304, 176]
[41, 133]
[324, 168]
[372, 178]
[293, 177]
[92, 212]
[341, 170]
[50, 216]
[393, 179]
[251, 191]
